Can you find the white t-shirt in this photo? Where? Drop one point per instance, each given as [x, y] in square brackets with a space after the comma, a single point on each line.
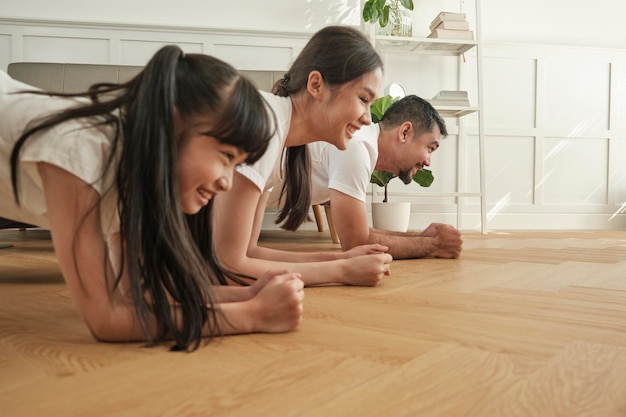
[74, 146]
[268, 170]
[347, 171]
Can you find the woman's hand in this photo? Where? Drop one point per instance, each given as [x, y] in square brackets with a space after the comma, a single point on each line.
[367, 270]
[369, 249]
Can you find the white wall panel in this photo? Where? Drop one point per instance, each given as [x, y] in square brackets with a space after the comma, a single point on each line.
[510, 87]
[576, 96]
[471, 172]
[510, 172]
[575, 171]
[618, 150]
[253, 57]
[66, 49]
[618, 96]
[139, 52]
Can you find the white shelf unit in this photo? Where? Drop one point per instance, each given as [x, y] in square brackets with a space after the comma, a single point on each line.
[454, 48]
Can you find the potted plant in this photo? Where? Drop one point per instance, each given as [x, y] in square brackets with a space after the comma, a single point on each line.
[396, 12]
[386, 215]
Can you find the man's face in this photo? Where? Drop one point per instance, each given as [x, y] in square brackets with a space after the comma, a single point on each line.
[417, 155]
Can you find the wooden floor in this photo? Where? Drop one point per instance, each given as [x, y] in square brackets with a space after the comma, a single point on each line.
[523, 324]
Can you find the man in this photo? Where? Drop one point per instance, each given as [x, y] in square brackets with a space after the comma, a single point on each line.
[401, 143]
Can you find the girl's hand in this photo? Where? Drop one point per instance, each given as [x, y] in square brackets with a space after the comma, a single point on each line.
[370, 249]
[277, 305]
[261, 282]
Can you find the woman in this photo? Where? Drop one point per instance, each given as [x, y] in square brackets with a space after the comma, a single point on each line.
[326, 95]
[124, 177]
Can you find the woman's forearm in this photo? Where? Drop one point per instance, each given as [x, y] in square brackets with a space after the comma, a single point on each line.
[261, 252]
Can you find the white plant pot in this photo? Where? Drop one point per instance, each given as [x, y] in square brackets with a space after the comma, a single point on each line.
[391, 216]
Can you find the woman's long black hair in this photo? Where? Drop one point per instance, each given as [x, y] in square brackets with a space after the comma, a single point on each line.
[341, 54]
[166, 256]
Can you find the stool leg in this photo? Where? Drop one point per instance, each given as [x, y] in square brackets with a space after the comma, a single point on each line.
[331, 223]
[317, 211]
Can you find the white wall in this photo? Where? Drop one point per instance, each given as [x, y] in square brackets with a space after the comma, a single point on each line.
[281, 15]
[554, 84]
[580, 23]
[598, 23]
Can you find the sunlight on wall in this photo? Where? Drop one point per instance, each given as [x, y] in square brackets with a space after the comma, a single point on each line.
[557, 149]
[499, 206]
[621, 210]
[591, 124]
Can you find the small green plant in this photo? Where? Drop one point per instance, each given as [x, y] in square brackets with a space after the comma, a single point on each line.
[378, 10]
[423, 177]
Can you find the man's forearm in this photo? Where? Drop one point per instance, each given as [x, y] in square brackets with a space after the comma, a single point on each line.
[409, 245]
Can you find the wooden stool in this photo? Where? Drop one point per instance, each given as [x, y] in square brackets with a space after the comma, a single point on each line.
[317, 211]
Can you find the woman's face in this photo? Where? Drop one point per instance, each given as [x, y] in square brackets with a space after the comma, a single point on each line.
[348, 109]
[205, 166]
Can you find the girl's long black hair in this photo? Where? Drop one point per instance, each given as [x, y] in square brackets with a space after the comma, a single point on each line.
[341, 54]
[166, 257]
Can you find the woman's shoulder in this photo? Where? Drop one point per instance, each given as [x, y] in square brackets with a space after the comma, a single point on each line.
[279, 105]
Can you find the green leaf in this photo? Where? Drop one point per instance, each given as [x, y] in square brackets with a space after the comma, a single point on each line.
[381, 178]
[383, 19]
[368, 11]
[379, 4]
[424, 177]
[380, 106]
[407, 3]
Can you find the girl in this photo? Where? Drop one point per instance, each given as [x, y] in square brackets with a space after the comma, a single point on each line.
[326, 95]
[124, 177]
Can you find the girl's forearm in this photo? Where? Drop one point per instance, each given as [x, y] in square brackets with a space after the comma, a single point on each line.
[231, 293]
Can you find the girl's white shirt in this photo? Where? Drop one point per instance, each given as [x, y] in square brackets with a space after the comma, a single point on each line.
[75, 146]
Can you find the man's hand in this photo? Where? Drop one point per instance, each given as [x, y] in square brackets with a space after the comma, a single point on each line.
[446, 240]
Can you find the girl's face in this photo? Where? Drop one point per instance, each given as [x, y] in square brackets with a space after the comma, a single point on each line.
[205, 166]
[348, 109]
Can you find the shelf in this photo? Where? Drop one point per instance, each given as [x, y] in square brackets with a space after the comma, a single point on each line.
[430, 194]
[455, 111]
[455, 48]
[432, 46]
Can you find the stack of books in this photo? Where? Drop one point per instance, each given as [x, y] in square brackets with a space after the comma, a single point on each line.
[450, 98]
[450, 25]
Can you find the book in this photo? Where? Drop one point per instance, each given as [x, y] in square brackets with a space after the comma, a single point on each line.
[445, 16]
[452, 25]
[451, 34]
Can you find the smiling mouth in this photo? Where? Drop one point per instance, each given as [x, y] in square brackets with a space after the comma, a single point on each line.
[352, 129]
[205, 194]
